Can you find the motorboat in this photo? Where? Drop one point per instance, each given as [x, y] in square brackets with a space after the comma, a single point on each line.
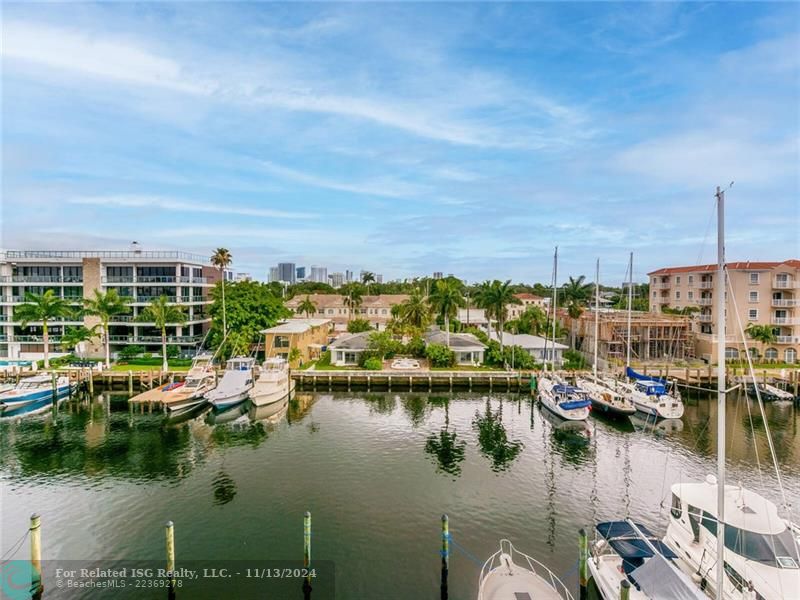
[566, 401]
[761, 550]
[273, 383]
[200, 379]
[509, 574]
[34, 389]
[768, 393]
[627, 554]
[235, 385]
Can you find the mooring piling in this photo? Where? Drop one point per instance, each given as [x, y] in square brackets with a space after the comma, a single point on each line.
[445, 555]
[36, 555]
[307, 555]
[130, 383]
[54, 382]
[583, 559]
[170, 539]
[624, 590]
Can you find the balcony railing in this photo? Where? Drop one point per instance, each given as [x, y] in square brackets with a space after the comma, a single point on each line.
[136, 254]
[46, 279]
[705, 301]
[154, 339]
[784, 284]
[785, 302]
[705, 318]
[706, 285]
[36, 339]
[788, 339]
[785, 321]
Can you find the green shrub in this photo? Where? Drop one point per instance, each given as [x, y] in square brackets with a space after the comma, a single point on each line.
[325, 359]
[440, 355]
[173, 351]
[358, 325]
[416, 347]
[130, 352]
[373, 364]
[478, 333]
[574, 361]
[383, 345]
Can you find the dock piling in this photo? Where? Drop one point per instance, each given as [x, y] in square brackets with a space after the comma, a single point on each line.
[170, 539]
[130, 383]
[54, 381]
[583, 558]
[624, 590]
[445, 554]
[307, 555]
[35, 532]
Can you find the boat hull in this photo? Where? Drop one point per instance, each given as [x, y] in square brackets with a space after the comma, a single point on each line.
[8, 401]
[671, 409]
[571, 414]
[270, 396]
[228, 401]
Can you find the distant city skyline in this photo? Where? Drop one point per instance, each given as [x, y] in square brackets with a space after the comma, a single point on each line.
[460, 138]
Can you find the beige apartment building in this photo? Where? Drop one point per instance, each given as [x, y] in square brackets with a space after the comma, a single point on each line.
[526, 300]
[375, 309]
[764, 293]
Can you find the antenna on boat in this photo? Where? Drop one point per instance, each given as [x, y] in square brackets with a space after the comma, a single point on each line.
[720, 292]
[596, 315]
[630, 307]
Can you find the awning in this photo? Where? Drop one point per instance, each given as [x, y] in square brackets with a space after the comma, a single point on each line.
[628, 544]
[660, 579]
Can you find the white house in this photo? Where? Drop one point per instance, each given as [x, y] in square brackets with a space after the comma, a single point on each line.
[534, 345]
[468, 349]
[346, 350]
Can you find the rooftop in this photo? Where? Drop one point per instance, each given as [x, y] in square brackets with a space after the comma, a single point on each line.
[177, 255]
[296, 325]
[351, 341]
[337, 300]
[529, 342]
[458, 341]
[792, 263]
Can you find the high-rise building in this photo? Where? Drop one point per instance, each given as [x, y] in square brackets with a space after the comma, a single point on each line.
[348, 276]
[243, 277]
[437, 274]
[336, 279]
[378, 278]
[287, 272]
[301, 273]
[138, 275]
[319, 274]
[274, 276]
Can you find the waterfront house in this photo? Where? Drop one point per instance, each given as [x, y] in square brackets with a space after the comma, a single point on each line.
[346, 350]
[762, 293]
[535, 346]
[526, 300]
[309, 336]
[375, 309]
[468, 349]
[473, 317]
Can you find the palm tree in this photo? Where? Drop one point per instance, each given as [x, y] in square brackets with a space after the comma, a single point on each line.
[761, 333]
[353, 298]
[494, 297]
[445, 300]
[44, 308]
[575, 290]
[222, 259]
[367, 277]
[307, 306]
[73, 336]
[105, 305]
[161, 312]
[415, 311]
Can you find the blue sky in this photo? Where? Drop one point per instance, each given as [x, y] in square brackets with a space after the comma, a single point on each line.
[404, 138]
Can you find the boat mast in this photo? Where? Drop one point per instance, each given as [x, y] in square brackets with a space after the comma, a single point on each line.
[721, 317]
[596, 314]
[555, 295]
[630, 303]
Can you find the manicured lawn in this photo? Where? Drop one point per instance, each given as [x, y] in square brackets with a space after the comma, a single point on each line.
[466, 368]
[135, 368]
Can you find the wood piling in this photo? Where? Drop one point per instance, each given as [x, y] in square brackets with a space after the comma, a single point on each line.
[169, 530]
[35, 532]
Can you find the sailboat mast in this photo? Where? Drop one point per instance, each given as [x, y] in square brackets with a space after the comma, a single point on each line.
[596, 314]
[721, 318]
[555, 295]
[630, 303]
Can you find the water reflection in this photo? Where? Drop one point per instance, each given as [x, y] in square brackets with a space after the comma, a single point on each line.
[493, 439]
[224, 488]
[417, 409]
[444, 445]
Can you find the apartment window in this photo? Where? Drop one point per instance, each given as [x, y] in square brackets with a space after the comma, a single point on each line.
[752, 314]
[678, 295]
[678, 280]
[754, 278]
[753, 297]
[691, 280]
[281, 341]
[771, 354]
[790, 355]
[655, 294]
[691, 295]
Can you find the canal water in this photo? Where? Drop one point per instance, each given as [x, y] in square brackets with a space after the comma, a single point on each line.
[376, 470]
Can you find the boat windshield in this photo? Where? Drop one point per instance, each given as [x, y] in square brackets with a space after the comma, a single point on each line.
[29, 385]
[776, 550]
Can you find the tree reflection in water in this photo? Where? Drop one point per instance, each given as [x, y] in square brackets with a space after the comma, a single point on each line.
[224, 488]
[493, 439]
[416, 407]
[444, 446]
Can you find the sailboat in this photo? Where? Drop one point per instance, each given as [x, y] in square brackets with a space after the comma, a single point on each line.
[730, 539]
[566, 401]
[648, 396]
[603, 394]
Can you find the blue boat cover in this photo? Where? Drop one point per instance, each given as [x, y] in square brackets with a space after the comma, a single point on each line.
[560, 388]
[571, 404]
[630, 373]
[627, 543]
[651, 389]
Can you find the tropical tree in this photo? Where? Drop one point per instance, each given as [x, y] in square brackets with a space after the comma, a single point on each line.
[494, 297]
[445, 299]
[353, 298]
[105, 305]
[222, 259]
[161, 312]
[307, 306]
[415, 310]
[761, 333]
[367, 277]
[533, 321]
[73, 336]
[45, 308]
[576, 291]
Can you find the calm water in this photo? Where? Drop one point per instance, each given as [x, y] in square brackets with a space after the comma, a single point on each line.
[376, 470]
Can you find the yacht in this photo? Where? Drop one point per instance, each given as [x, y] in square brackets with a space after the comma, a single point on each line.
[510, 574]
[651, 398]
[235, 385]
[199, 380]
[624, 551]
[273, 383]
[35, 389]
[566, 401]
[761, 552]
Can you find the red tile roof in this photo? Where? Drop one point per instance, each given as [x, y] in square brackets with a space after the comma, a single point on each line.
[732, 266]
[526, 296]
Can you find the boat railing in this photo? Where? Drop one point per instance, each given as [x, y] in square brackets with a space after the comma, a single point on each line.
[507, 548]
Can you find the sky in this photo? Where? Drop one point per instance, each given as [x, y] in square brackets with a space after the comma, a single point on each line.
[405, 138]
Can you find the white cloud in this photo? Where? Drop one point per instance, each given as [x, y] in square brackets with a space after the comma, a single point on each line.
[174, 204]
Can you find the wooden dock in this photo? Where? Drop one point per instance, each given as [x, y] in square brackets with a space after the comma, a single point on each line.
[413, 380]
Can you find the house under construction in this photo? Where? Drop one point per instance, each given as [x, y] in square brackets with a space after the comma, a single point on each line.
[654, 336]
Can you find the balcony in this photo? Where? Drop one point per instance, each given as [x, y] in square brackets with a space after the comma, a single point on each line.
[785, 302]
[788, 339]
[705, 301]
[75, 279]
[707, 285]
[36, 339]
[155, 339]
[77, 255]
[785, 321]
[130, 279]
[787, 283]
[705, 318]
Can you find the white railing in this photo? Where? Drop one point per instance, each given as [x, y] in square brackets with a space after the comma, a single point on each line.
[78, 254]
[785, 321]
[507, 548]
[788, 283]
[706, 285]
[787, 339]
[705, 301]
[705, 318]
[785, 302]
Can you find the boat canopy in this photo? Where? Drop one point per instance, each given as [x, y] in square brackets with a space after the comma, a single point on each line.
[628, 544]
[659, 578]
[631, 374]
[561, 388]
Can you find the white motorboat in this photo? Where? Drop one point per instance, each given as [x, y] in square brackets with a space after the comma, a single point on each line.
[235, 385]
[199, 380]
[566, 401]
[509, 574]
[625, 553]
[761, 555]
[36, 389]
[273, 383]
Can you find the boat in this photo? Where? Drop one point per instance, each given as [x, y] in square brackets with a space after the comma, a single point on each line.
[270, 413]
[36, 388]
[235, 385]
[768, 393]
[625, 551]
[511, 574]
[566, 401]
[200, 379]
[731, 540]
[273, 383]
